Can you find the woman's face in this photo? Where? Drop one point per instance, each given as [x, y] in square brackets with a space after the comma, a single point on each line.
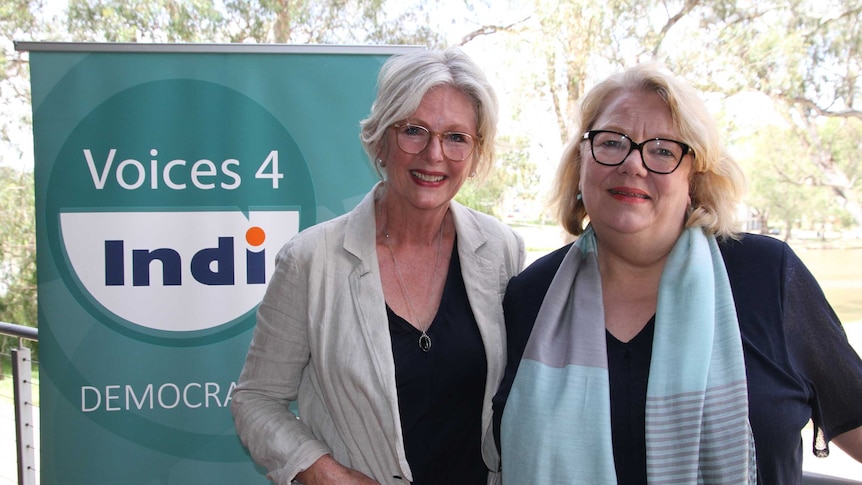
[429, 179]
[628, 199]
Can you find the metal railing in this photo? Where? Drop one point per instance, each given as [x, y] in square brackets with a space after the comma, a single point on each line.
[22, 385]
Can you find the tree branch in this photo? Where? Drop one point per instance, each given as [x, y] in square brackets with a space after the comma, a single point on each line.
[784, 177]
[811, 105]
[688, 7]
[490, 29]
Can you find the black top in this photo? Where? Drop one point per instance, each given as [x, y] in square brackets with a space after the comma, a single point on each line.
[440, 392]
[628, 375]
[798, 361]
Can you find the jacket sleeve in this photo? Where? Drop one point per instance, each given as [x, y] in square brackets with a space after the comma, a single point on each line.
[275, 365]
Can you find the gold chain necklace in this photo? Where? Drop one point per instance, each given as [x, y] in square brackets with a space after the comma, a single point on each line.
[424, 339]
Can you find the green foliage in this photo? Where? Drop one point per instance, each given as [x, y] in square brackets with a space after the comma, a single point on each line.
[843, 140]
[16, 16]
[144, 20]
[785, 186]
[484, 195]
[260, 21]
[512, 180]
[563, 48]
[17, 251]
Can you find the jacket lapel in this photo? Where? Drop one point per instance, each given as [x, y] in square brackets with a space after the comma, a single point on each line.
[366, 289]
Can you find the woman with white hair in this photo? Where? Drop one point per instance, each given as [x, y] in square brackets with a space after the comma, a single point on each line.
[385, 325]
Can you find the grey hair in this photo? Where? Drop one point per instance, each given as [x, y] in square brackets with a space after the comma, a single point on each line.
[405, 79]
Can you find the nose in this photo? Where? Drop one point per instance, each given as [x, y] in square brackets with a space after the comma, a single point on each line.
[634, 164]
[434, 148]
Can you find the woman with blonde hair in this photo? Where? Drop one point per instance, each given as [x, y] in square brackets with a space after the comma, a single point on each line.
[664, 346]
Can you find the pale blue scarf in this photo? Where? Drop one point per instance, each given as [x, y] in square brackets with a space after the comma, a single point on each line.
[556, 426]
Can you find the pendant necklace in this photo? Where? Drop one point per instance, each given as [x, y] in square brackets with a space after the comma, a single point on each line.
[424, 339]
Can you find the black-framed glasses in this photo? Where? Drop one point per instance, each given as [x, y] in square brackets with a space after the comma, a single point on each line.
[659, 155]
[457, 146]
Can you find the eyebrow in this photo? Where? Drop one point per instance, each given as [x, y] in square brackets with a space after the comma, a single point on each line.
[458, 127]
[624, 132]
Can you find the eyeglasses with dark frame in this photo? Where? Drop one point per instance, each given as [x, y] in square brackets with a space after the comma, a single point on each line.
[658, 155]
[413, 139]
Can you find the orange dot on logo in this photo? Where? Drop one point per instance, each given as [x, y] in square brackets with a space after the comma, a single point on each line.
[255, 236]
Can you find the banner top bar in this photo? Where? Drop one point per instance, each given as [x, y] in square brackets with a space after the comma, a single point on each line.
[212, 48]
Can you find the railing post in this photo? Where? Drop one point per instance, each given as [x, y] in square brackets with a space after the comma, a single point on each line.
[24, 426]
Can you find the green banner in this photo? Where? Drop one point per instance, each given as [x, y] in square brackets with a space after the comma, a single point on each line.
[167, 179]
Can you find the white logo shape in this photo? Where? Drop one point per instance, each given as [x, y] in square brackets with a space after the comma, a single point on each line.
[176, 271]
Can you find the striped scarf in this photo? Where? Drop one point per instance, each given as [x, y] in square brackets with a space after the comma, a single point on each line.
[556, 426]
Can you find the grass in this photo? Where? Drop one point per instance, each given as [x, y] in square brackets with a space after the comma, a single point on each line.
[839, 272]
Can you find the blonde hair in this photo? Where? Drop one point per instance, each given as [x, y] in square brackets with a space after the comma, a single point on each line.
[405, 79]
[717, 183]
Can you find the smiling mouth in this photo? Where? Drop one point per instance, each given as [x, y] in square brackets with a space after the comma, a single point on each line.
[628, 194]
[427, 178]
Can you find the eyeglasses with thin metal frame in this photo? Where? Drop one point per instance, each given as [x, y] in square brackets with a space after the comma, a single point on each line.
[413, 139]
[658, 155]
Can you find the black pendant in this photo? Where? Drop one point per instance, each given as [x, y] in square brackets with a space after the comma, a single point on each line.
[424, 342]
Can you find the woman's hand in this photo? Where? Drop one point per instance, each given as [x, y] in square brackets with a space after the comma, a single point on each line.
[328, 471]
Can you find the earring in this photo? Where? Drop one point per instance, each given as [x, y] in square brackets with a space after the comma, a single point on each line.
[472, 174]
[380, 162]
[580, 197]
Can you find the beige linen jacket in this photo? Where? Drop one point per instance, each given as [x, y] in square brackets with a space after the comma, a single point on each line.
[322, 339]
